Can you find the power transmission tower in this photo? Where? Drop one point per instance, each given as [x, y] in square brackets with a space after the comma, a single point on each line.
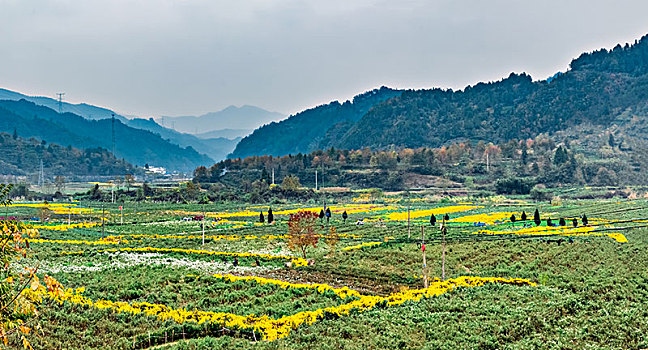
[60, 101]
[113, 135]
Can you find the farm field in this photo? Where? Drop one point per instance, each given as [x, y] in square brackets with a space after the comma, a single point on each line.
[146, 280]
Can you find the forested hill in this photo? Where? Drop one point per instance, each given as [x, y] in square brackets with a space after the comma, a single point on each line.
[597, 88]
[134, 145]
[311, 129]
[22, 157]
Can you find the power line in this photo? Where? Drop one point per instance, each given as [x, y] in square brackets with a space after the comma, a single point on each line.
[60, 101]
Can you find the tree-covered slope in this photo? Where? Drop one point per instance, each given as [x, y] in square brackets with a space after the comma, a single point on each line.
[23, 156]
[597, 88]
[134, 145]
[305, 131]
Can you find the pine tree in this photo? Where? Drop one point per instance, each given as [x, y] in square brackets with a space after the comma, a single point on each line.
[562, 222]
[270, 216]
[261, 218]
[432, 220]
[345, 216]
[523, 217]
[536, 217]
[611, 140]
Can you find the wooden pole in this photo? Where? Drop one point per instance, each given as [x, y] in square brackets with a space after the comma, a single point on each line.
[409, 230]
[443, 233]
[203, 225]
[425, 269]
[103, 222]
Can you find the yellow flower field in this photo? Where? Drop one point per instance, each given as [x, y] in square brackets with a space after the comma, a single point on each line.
[560, 231]
[487, 218]
[402, 216]
[271, 329]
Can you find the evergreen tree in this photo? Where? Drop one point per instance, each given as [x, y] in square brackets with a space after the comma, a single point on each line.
[15, 134]
[611, 140]
[270, 216]
[562, 222]
[584, 220]
[536, 217]
[261, 218]
[345, 216]
[523, 217]
[560, 156]
[432, 220]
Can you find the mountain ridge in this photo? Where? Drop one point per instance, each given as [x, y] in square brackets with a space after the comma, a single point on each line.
[135, 145]
[231, 117]
[598, 86]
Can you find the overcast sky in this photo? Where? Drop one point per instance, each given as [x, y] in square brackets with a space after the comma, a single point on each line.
[172, 57]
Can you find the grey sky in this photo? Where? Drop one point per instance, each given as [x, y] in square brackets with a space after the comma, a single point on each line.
[164, 57]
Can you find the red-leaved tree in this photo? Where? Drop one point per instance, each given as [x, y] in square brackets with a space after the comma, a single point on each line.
[301, 231]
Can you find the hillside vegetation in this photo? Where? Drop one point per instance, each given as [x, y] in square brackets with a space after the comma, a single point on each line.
[311, 129]
[596, 90]
[22, 157]
[136, 146]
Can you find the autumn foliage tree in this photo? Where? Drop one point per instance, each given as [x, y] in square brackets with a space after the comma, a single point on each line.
[302, 231]
[18, 302]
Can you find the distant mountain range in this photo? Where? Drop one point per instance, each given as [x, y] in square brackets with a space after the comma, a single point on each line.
[216, 148]
[226, 133]
[82, 109]
[598, 87]
[311, 129]
[232, 117]
[136, 146]
[214, 144]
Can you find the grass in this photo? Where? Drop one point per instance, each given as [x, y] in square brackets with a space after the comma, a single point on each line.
[591, 293]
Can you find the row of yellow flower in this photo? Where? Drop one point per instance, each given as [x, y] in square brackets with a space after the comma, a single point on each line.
[560, 230]
[271, 329]
[220, 237]
[343, 292]
[57, 208]
[103, 241]
[117, 239]
[349, 208]
[413, 214]
[295, 261]
[65, 227]
[362, 245]
[487, 218]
